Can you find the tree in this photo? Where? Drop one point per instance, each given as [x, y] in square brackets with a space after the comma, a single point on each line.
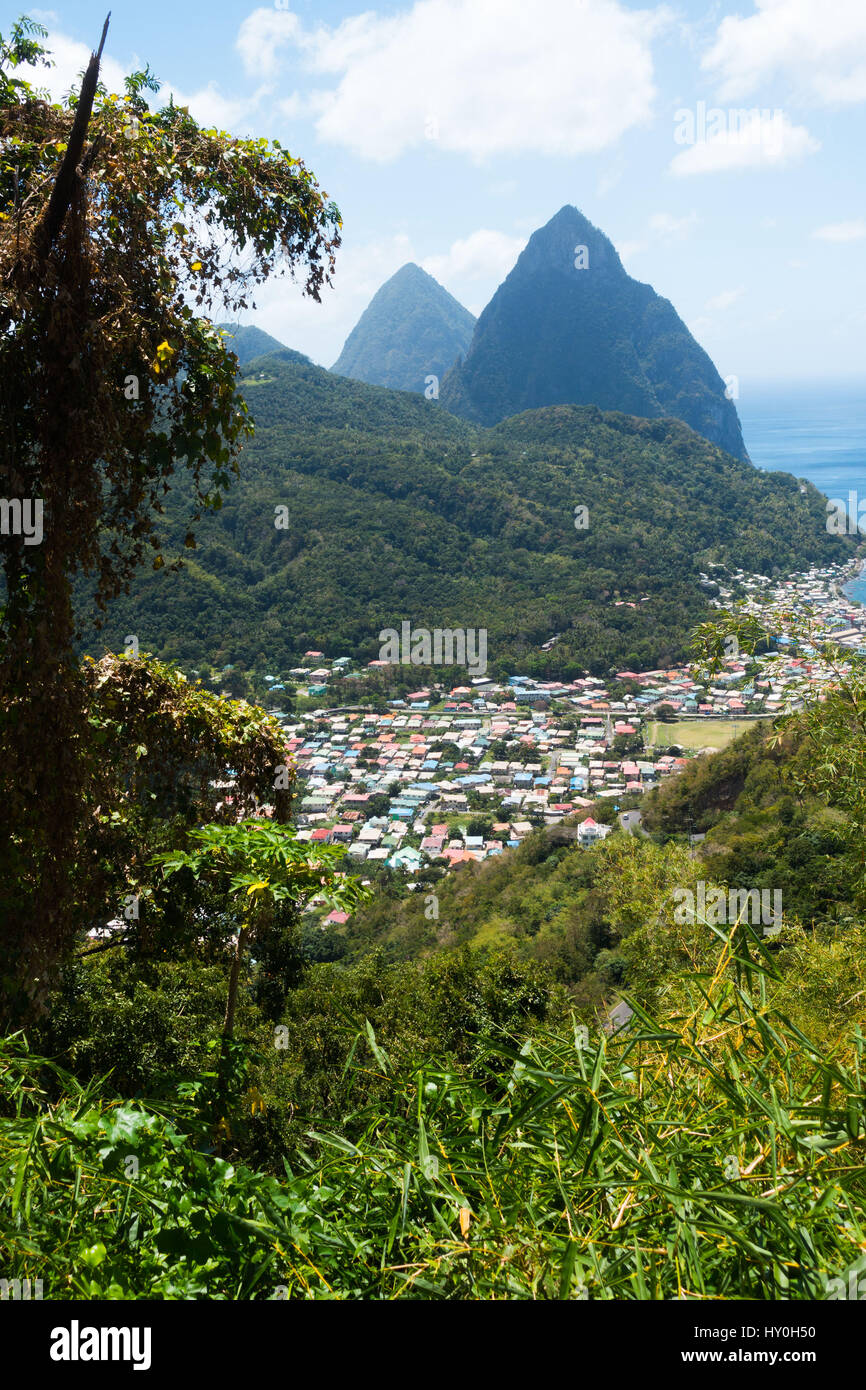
[170, 755]
[119, 228]
[623, 744]
[264, 865]
[480, 825]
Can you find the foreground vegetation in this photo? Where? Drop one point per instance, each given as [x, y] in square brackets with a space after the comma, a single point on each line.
[713, 1152]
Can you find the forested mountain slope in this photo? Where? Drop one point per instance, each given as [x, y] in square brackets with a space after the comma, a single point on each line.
[398, 510]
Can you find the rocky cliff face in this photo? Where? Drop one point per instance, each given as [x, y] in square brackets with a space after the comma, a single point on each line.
[570, 326]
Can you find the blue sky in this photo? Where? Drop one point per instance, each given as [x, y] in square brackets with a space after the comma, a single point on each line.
[719, 146]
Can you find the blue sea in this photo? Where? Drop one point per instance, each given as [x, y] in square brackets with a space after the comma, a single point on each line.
[815, 430]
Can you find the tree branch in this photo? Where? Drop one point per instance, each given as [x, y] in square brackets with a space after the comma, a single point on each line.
[106, 946]
[64, 186]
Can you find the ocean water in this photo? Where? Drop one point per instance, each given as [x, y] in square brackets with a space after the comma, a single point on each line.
[815, 430]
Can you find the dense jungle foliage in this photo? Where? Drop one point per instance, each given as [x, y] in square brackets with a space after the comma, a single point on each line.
[396, 510]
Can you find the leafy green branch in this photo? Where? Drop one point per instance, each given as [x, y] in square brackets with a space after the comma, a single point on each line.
[264, 864]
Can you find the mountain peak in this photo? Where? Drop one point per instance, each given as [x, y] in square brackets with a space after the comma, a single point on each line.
[570, 326]
[570, 236]
[411, 329]
[411, 271]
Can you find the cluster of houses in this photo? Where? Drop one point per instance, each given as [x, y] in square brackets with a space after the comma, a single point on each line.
[428, 775]
[785, 681]
[402, 784]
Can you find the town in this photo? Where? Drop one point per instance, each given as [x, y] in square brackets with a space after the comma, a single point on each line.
[452, 774]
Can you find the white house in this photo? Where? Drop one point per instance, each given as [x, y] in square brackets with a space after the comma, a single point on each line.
[589, 832]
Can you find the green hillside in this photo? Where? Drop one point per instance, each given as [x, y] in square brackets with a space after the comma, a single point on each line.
[254, 1045]
[246, 341]
[590, 916]
[398, 510]
[463, 1125]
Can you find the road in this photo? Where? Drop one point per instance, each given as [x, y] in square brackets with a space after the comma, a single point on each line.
[631, 822]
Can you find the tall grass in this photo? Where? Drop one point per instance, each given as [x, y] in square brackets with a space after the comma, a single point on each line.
[712, 1153]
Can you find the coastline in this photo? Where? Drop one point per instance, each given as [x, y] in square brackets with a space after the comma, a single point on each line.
[856, 580]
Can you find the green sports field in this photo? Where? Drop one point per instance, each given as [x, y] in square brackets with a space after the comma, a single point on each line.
[698, 733]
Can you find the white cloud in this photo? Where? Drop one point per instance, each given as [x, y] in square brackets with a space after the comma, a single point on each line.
[818, 47]
[662, 226]
[724, 300]
[292, 106]
[750, 140]
[608, 181]
[261, 37]
[505, 188]
[474, 267]
[628, 249]
[475, 77]
[841, 231]
[69, 59]
[670, 228]
[484, 254]
[208, 106]
[699, 326]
